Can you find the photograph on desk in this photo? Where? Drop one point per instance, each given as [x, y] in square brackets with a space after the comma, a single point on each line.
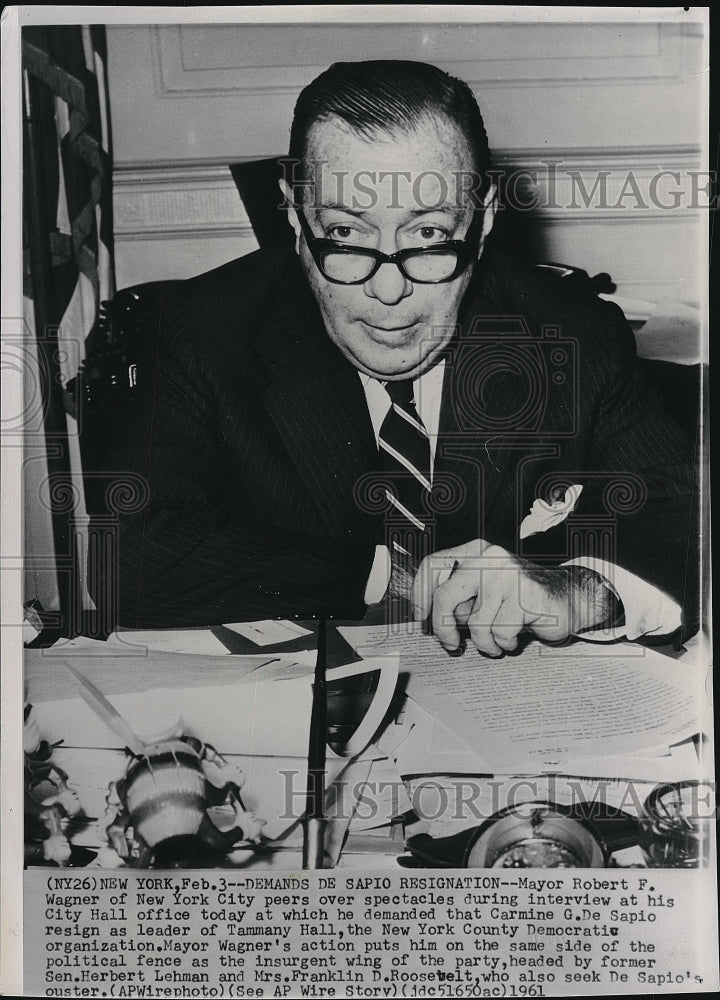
[360, 484]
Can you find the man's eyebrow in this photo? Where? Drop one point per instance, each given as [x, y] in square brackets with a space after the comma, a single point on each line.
[457, 211]
[336, 206]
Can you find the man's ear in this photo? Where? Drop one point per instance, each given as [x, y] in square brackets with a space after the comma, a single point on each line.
[489, 209]
[292, 214]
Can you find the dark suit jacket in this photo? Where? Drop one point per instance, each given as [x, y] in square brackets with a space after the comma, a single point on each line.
[249, 447]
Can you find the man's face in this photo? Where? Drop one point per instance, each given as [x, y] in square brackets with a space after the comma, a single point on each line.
[389, 193]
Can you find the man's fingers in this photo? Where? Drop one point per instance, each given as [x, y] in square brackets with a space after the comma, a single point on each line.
[507, 626]
[487, 605]
[492, 592]
[506, 639]
[463, 611]
[434, 570]
[459, 590]
[422, 592]
[497, 590]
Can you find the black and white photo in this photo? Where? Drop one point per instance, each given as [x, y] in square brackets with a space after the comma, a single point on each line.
[355, 418]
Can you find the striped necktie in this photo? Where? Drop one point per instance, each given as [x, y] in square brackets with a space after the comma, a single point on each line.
[405, 466]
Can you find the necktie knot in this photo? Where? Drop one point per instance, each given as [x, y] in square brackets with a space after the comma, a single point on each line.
[402, 393]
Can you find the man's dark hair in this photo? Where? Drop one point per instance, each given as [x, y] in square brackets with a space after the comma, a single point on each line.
[391, 96]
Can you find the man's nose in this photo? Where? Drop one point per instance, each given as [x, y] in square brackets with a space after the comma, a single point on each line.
[388, 284]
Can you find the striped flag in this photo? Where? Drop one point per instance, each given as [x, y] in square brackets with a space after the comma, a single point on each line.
[67, 237]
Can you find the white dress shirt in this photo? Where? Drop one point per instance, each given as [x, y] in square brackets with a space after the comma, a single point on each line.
[648, 610]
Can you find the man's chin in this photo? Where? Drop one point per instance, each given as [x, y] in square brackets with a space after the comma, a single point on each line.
[391, 367]
[393, 355]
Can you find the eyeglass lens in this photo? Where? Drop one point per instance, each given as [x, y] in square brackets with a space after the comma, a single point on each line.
[418, 267]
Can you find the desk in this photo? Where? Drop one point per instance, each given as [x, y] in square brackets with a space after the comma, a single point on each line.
[46, 680]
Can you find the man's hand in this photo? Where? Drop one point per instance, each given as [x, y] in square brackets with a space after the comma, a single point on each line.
[497, 595]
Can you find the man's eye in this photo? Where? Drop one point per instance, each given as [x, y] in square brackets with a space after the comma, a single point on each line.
[432, 234]
[339, 233]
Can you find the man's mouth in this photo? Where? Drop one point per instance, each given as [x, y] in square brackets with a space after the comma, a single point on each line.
[390, 330]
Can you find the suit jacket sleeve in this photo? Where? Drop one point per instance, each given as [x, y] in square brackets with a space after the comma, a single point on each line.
[653, 497]
[635, 464]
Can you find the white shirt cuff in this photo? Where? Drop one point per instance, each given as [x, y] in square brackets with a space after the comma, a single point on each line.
[377, 582]
[648, 610]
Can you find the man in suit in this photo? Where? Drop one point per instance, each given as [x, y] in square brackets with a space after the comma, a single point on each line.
[389, 401]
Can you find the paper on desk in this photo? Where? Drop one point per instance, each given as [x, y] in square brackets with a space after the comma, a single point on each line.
[180, 640]
[423, 745]
[79, 643]
[429, 747]
[679, 763]
[381, 798]
[246, 711]
[279, 669]
[136, 642]
[117, 671]
[546, 705]
[233, 717]
[269, 633]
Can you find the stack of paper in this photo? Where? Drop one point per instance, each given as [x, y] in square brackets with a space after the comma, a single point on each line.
[575, 709]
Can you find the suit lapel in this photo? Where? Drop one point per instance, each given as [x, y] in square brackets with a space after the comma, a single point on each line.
[316, 400]
[484, 391]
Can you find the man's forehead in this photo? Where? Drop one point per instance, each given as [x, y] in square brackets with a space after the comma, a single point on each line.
[429, 167]
[334, 137]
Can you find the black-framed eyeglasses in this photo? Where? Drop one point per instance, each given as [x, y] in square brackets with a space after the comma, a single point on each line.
[344, 264]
